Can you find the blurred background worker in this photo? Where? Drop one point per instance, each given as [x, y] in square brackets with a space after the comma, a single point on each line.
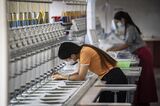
[95, 60]
[146, 87]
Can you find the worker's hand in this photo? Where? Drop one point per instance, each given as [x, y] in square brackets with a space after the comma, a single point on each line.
[57, 76]
[110, 49]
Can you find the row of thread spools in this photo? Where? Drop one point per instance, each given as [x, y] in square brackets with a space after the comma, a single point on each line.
[67, 16]
[27, 18]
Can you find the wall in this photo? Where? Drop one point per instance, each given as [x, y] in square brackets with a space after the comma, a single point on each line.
[155, 49]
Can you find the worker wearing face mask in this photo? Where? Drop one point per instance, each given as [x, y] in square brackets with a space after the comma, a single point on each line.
[118, 28]
[95, 60]
[146, 87]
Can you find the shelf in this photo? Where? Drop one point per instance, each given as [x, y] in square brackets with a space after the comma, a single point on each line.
[33, 1]
[151, 38]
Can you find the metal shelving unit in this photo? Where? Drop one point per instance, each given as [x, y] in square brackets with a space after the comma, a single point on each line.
[33, 1]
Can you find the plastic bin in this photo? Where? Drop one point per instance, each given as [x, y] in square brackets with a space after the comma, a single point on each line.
[124, 63]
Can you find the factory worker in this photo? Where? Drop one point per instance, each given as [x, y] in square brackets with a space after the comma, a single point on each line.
[146, 87]
[95, 60]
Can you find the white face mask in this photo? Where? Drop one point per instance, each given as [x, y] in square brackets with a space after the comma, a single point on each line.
[70, 62]
[119, 24]
[120, 28]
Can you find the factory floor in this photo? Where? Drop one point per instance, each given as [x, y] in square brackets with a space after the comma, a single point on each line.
[157, 77]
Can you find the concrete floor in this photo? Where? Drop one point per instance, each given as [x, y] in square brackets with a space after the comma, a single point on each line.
[157, 77]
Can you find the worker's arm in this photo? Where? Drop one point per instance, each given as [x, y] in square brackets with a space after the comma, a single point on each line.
[118, 48]
[80, 75]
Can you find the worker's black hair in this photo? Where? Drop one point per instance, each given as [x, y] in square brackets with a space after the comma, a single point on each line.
[128, 20]
[66, 49]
